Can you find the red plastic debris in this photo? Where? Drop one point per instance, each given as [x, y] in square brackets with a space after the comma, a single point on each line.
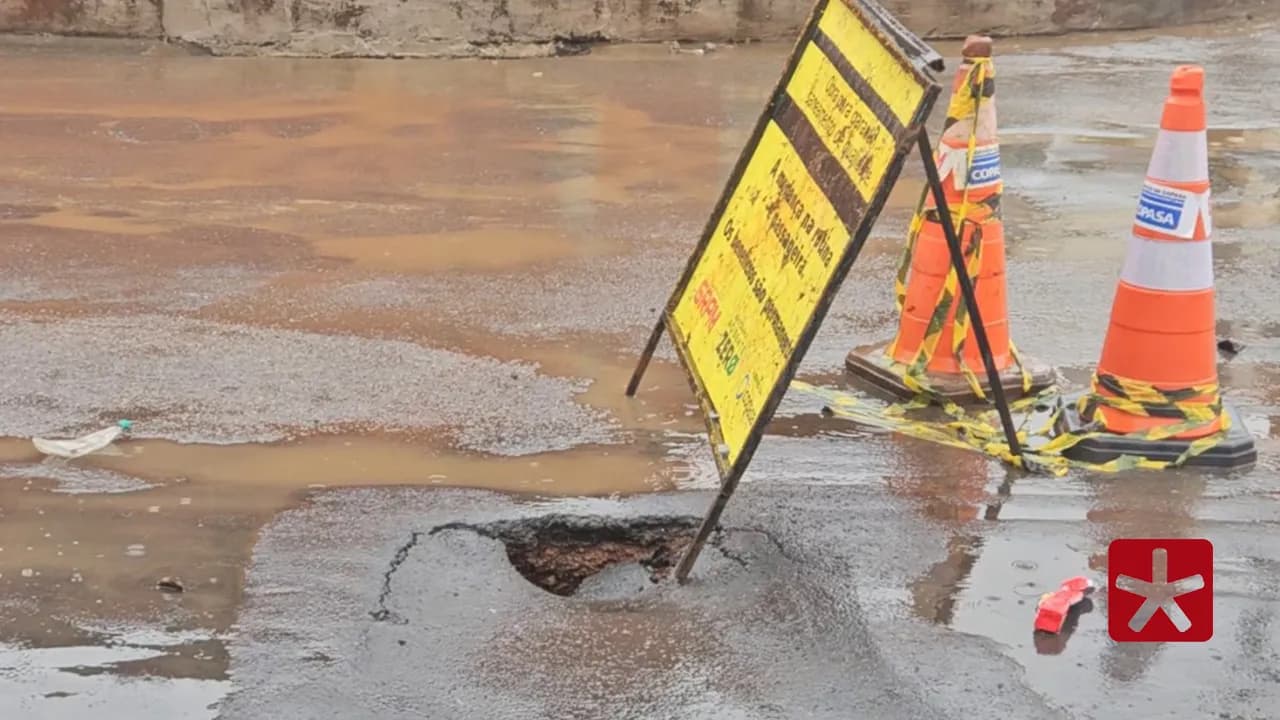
[1051, 611]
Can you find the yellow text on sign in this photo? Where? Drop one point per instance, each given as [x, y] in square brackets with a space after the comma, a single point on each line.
[872, 61]
[756, 285]
[847, 127]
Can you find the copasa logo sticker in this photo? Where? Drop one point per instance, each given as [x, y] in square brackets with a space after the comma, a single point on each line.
[1160, 208]
[985, 170]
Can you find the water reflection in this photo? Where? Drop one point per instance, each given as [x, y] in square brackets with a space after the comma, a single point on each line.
[1035, 532]
[114, 678]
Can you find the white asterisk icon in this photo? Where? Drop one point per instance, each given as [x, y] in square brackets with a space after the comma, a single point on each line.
[1160, 593]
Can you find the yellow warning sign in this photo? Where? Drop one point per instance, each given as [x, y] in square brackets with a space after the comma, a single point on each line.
[793, 217]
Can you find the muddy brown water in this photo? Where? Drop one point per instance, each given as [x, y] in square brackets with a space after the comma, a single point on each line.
[316, 176]
[125, 170]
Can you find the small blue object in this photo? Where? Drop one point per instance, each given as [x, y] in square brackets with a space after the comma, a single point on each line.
[125, 424]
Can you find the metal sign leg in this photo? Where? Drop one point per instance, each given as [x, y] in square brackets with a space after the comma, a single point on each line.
[708, 525]
[654, 338]
[966, 288]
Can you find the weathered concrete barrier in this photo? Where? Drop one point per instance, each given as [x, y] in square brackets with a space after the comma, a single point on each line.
[512, 28]
[123, 18]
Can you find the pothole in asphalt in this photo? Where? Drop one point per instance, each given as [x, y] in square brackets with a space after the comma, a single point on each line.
[562, 554]
[557, 553]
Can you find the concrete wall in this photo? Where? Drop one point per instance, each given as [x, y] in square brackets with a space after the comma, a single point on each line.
[127, 18]
[539, 27]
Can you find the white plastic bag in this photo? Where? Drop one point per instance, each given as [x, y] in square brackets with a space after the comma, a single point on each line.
[83, 445]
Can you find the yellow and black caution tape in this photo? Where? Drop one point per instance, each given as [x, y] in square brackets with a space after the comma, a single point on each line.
[965, 102]
[1195, 408]
[1043, 448]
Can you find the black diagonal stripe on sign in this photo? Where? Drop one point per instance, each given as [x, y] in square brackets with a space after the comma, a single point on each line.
[821, 164]
[859, 84]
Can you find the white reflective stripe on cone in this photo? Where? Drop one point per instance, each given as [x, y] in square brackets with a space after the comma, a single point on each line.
[1168, 264]
[1180, 156]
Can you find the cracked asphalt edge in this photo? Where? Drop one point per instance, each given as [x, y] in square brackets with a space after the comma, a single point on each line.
[502, 531]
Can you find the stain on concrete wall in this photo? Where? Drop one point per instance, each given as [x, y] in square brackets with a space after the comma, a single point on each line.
[409, 28]
[243, 24]
[956, 18]
[126, 18]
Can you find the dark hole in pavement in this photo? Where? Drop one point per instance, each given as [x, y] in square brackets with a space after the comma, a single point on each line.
[557, 553]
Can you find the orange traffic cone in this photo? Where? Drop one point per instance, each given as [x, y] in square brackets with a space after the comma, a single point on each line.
[935, 349]
[1155, 392]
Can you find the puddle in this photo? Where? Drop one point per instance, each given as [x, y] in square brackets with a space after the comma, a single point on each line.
[122, 675]
[96, 222]
[996, 565]
[24, 212]
[349, 461]
[72, 479]
[95, 538]
[467, 250]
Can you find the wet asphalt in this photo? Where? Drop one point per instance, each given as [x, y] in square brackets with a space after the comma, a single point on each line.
[161, 368]
[226, 252]
[830, 601]
[788, 618]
